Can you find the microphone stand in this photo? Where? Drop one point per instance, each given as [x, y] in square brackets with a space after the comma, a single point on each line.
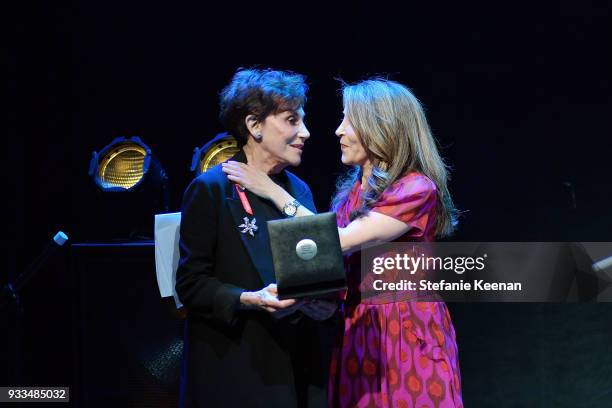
[11, 290]
[10, 294]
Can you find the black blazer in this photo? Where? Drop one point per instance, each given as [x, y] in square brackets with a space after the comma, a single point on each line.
[236, 357]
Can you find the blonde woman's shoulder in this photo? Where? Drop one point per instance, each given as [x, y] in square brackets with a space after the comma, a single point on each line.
[417, 181]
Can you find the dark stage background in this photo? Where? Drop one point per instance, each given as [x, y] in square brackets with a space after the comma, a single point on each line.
[518, 95]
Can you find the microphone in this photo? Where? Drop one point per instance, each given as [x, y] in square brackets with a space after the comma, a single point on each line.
[11, 289]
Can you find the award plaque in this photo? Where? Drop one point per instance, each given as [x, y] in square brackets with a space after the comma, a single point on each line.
[307, 256]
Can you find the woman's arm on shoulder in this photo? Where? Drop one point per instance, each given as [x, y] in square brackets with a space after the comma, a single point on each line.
[258, 182]
[375, 227]
[370, 229]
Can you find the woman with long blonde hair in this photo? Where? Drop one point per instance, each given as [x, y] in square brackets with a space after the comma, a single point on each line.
[392, 353]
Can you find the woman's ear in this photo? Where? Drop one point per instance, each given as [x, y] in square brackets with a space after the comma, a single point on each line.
[253, 126]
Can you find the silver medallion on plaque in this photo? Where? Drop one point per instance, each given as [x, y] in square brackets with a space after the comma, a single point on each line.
[306, 249]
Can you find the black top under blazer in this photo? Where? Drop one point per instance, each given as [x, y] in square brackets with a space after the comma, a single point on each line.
[236, 357]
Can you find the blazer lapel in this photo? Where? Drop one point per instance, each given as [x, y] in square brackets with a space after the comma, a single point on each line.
[257, 246]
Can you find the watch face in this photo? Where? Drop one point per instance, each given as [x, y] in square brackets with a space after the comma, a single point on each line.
[290, 210]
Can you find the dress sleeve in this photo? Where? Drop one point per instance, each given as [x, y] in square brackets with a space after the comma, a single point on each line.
[412, 200]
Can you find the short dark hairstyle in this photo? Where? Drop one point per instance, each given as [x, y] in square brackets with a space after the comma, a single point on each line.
[259, 92]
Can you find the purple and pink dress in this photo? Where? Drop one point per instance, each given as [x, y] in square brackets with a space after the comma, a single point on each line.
[395, 353]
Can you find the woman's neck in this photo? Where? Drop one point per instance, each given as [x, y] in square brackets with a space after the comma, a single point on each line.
[262, 160]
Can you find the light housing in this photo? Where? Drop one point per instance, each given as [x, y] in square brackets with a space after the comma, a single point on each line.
[122, 165]
[130, 187]
[221, 148]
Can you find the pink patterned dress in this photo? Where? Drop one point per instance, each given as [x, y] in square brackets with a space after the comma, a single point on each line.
[395, 353]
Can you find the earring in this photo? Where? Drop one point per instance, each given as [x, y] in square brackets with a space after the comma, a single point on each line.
[258, 136]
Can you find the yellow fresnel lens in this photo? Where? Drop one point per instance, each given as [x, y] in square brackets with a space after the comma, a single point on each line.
[122, 166]
[218, 153]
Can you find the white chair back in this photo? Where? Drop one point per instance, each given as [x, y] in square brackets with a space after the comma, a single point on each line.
[167, 234]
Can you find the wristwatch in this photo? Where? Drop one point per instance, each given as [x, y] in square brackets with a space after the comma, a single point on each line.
[290, 209]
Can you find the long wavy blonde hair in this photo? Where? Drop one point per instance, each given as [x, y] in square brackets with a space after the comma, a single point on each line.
[391, 125]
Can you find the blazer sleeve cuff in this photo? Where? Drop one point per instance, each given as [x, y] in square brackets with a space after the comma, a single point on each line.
[226, 302]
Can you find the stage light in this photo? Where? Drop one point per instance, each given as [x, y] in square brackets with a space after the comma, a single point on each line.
[130, 186]
[221, 148]
[122, 165]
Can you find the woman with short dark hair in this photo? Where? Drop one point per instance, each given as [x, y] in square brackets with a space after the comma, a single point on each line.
[259, 93]
[244, 347]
